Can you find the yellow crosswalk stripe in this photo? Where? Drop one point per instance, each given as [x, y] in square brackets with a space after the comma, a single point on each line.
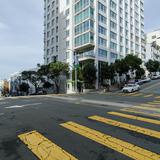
[127, 126]
[157, 97]
[130, 94]
[43, 148]
[121, 94]
[131, 110]
[118, 145]
[147, 105]
[135, 117]
[138, 94]
[147, 108]
[149, 95]
[157, 101]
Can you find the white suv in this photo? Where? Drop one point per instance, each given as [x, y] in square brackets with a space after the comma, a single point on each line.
[131, 88]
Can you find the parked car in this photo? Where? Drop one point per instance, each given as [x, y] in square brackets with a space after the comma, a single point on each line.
[131, 88]
[154, 77]
[138, 81]
[146, 80]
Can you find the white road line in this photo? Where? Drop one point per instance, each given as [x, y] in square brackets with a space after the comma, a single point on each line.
[10, 107]
[22, 106]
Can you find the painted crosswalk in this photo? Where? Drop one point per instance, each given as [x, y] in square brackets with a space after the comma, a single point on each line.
[118, 145]
[127, 126]
[43, 148]
[151, 108]
[140, 111]
[148, 120]
[46, 149]
[138, 94]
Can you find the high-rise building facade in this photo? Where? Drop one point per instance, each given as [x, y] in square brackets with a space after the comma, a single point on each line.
[100, 30]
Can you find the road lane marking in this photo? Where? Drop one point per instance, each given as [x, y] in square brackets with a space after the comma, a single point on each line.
[152, 86]
[135, 117]
[127, 126]
[16, 106]
[147, 108]
[148, 105]
[157, 101]
[138, 94]
[130, 110]
[118, 145]
[157, 97]
[154, 103]
[22, 106]
[150, 95]
[43, 148]
[130, 94]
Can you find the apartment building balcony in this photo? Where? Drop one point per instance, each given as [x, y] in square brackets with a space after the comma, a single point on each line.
[86, 55]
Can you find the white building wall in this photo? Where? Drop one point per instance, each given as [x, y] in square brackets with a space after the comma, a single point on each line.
[154, 37]
[153, 45]
[133, 23]
[152, 53]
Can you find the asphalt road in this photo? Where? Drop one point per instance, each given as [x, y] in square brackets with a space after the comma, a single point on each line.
[111, 136]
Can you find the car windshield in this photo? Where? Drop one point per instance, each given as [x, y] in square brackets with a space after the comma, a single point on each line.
[130, 85]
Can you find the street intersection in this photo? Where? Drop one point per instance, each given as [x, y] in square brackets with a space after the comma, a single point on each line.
[95, 126]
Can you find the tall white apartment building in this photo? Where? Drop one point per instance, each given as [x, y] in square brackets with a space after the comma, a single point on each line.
[100, 30]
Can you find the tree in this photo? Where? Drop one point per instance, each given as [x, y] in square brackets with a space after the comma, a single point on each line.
[111, 72]
[31, 76]
[139, 73]
[121, 67]
[55, 70]
[152, 66]
[24, 87]
[133, 62]
[89, 73]
[47, 85]
[104, 71]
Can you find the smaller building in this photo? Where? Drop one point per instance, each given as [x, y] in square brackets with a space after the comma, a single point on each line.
[153, 46]
[152, 52]
[154, 37]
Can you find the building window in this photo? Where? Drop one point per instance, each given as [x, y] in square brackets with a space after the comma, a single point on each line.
[102, 30]
[102, 53]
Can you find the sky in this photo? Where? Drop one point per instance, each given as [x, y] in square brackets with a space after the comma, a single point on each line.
[21, 32]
